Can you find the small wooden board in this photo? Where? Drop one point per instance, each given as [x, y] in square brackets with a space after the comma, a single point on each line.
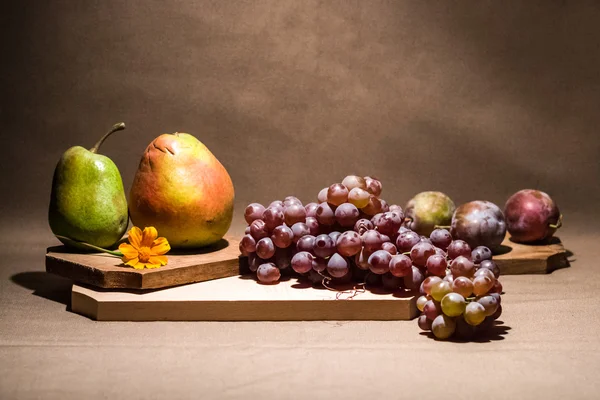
[239, 298]
[106, 271]
[519, 258]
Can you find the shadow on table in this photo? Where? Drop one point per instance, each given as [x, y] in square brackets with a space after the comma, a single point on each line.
[492, 334]
[48, 286]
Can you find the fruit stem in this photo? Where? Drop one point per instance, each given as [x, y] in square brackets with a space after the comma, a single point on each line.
[91, 246]
[116, 127]
[558, 223]
[442, 226]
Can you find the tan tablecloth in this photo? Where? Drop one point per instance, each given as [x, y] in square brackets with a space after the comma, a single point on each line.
[547, 348]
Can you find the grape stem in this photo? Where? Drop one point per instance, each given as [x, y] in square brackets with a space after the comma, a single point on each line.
[91, 246]
[353, 292]
[558, 223]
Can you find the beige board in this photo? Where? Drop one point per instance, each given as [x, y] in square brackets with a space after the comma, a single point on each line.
[240, 298]
[106, 271]
[516, 258]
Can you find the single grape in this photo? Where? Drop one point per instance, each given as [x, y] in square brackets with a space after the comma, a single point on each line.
[362, 225]
[384, 206]
[436, 265]
[497, 288]
[462, 266]
[489, 303]
[254, 262]
[414, 279]
[453, 304]
[248, 244]
[302, 262]
[319, 264]
[334, 236]
[311, 209]
[353, 181]
[253, 211]
[276, 204]
[349, 243]
[424, 323]
[268, 273]
[359, 197]
[373, 185]
[306, 243]
[375, 219]
[300, 229]
[406, 241]
[247, 230]
[432, 309]
[482, 284]
[273, 217]
[294, 213]
[425, 239]
[396, 208]
[474, 313]
[448, 278]
[337, 194]
[282, 236]
[391, 282]
[322, 196]
[388, 223]
[346, 214]
[481, 253]
[440, 252]
[384, 239]
[421, 301]
[440, 289]
[485, 272]
[313, 225]
[429, 282]
[403, 229]
[443, 327]
[372, 240]
[497, 297]
[420, 252]
[379, 262]
[463, 286]
[441, 238]
[459, 248]
[265, 248]
[324, 246]
[325, 214]
[373, 206]
[289, 200]
[400, 265]
[362, 259]
[389, 247]
[258, 229]
[337, 266]
[491, 265]
[242, 250]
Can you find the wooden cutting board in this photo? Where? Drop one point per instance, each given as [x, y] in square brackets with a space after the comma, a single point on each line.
[240, 298]
[516, 258]
[106, 271]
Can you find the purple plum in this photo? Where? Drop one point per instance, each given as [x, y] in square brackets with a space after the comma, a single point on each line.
[479, 223]
[531, 215]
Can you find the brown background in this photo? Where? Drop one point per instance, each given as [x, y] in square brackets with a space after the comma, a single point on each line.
[475, 99]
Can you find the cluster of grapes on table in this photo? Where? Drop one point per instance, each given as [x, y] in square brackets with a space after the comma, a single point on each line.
[353, 235]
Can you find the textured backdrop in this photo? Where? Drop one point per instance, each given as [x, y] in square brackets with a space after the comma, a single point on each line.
[473, 100]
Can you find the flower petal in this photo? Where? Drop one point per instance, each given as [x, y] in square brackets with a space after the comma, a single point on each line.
[129, 252]
[135, 237]
[148, 236]
[160, 246]
[134, 263]
[158, 260]
[148, 265]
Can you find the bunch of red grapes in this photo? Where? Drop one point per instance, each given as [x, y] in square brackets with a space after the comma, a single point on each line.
[352, 235]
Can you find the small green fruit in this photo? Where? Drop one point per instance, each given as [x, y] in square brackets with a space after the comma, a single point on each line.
[428, 209]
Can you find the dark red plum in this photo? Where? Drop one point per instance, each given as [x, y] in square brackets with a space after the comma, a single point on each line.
[479, 223]
[531, 215]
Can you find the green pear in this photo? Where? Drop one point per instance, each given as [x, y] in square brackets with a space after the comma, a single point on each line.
[88, 202]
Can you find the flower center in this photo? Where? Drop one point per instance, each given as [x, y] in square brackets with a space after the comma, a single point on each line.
[144, 254]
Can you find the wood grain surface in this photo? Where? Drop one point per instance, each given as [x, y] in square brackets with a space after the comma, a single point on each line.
[106, 271]
[240, 298]
[542, 258]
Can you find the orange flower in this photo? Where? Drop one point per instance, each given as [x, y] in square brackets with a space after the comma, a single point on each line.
[144, 249]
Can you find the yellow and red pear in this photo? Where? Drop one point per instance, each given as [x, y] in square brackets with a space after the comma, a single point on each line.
[182, 190]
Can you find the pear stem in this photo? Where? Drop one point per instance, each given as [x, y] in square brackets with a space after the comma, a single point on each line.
[91, 246]
[116, 127]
